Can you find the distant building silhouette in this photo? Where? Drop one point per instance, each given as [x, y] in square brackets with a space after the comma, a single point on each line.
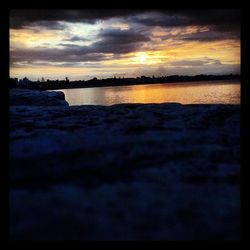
[25, 81]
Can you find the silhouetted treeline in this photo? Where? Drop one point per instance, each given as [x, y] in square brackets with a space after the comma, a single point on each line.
[63, 84]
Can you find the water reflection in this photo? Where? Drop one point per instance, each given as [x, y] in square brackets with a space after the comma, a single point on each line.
[199, 92]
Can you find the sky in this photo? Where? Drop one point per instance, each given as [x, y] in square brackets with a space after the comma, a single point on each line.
[82, 44]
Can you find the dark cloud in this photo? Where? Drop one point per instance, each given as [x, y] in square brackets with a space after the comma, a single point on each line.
[212, 17]
[75, 39]
[119, 41]
[160, 19]
[111, 41]
[68, 54]
[122, 36]
[211, 35]
[71, 45]
[49, 25]
[22, 18]
[223, 24]
[224, 19]
[175, 18]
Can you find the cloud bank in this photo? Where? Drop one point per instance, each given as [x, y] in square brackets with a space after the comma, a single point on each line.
[81, 37]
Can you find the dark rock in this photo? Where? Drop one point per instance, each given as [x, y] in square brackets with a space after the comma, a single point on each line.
[153, 171]
[37, 98]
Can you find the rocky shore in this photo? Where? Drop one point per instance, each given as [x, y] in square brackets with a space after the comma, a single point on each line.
[123, 172]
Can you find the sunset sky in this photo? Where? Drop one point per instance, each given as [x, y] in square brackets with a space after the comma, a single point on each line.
[82, 44]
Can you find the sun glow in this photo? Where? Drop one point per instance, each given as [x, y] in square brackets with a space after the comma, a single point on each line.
[142, 58]
[145, 58]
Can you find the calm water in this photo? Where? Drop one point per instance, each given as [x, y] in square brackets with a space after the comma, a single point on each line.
[226, 92]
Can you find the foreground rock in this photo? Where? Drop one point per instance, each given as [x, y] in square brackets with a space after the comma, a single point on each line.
[37, 98]
[128, 171]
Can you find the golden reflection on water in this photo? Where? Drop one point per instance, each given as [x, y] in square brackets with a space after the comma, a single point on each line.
[224, 92]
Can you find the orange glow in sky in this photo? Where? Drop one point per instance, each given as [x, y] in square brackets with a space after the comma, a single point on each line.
[120, 46]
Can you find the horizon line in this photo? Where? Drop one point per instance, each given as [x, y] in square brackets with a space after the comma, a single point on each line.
[123, 77]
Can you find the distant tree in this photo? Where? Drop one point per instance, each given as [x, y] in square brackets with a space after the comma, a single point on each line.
[13, 82]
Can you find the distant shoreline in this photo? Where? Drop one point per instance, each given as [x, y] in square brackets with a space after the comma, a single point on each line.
[232, 81]
[112, 82]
